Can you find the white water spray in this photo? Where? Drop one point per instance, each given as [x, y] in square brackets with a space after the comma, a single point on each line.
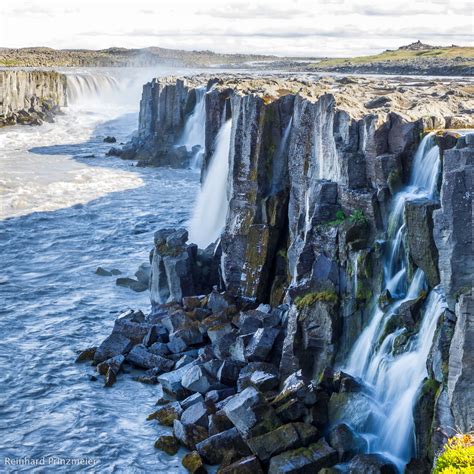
[210, 213]
[195, 129]
[395, 379]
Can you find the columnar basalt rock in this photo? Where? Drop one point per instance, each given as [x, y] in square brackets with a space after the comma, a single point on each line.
[313, 167]
[30, 97]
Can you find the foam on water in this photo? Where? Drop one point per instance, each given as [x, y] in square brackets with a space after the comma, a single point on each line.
[101, 211]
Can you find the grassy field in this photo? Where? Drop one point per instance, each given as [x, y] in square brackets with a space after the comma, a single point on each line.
[400, 55]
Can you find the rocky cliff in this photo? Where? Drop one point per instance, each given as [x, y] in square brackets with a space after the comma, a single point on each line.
[30, 97]
[345, 245]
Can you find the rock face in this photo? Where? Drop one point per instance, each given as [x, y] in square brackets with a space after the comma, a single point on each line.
[31, 97]
[452, 232]
[243, 334]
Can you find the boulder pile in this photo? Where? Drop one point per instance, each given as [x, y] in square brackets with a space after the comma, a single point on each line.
[216, 362]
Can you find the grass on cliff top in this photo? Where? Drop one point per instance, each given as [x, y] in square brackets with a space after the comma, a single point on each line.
[458, 456]
[400, 55]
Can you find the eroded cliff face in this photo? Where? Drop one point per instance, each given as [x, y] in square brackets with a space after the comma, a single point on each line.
[313, 171]
[30, 97]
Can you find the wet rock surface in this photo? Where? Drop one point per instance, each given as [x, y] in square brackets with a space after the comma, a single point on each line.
[242, 335]
[31, 97]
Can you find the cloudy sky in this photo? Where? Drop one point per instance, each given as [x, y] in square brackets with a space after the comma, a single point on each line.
[289, 27]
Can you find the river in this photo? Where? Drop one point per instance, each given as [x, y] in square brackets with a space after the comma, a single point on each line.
[63, 214]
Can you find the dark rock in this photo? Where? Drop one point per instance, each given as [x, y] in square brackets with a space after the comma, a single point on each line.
[252, 368]
[86, 354]
[223, 448]
[196, 379]
[160, 348]
[132, 324]
[134, 285]
[114, 364]
[167, 414]
[353, 407]
[215, 396]
[421, 246]
[103, 272]
[249, 321]
[192, 462]
[452, 236]
[168, 444]
[304, 460]
[109, 139]
[461, 365]
[191, 400]
[346, 442]
[291, 410]
[171, 381]
[275, 442]
[251, 413]
[156, 334]
[229, 371]
[196, 414]
[220, 301]
[143, 274]
[219, 422]
[189, 435]
[141, 357]
[248, 465]
[112, 345]
[378, 102]
[261, 343]
[184, 360]
[371, 464]
[264, 381]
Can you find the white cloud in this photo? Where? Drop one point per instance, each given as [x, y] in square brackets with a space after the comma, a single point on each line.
[290, 27]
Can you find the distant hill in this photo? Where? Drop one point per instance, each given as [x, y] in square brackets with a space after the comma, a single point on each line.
[49, 57]
[415, 58]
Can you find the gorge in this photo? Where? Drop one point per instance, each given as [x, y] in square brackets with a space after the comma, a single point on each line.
[333, 240]
[311, 305]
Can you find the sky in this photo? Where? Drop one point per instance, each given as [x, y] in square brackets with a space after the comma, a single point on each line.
[291, 27]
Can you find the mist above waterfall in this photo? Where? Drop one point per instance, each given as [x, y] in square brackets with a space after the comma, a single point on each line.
[210, 212]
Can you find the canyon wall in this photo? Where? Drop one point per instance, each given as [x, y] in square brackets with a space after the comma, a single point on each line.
[30, 97]
[315, 172]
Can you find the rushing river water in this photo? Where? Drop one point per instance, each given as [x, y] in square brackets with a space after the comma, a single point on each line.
[63, 215]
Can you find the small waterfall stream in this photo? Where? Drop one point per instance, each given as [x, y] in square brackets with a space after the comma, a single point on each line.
[393, 378]
[194, 133]
[210, 212]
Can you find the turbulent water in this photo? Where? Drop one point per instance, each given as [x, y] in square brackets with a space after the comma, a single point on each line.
[394, 379]
[63, 215]
[210, 212]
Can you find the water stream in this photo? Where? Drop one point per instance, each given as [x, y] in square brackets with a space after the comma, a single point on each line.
[63, 214]
[209, 215]
[394, 377]
[194, 134]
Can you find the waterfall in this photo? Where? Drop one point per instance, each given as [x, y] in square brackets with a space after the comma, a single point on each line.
[210, 212]
[89, 87]
[194, 133]
[394, 379]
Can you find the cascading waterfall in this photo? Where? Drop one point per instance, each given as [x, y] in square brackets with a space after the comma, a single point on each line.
[87, 87]
[210, 212]
[194, 133]
[394, 379]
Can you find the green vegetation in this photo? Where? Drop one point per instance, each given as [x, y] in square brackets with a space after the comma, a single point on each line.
[457, 457]
[309, 299]
[357, 217]
[399, 55]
